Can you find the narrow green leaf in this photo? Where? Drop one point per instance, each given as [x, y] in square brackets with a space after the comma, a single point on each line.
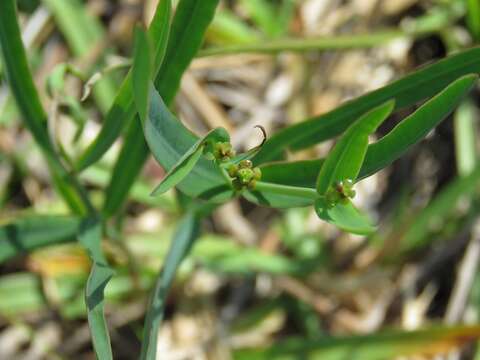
[123, 108]
[189, 24]
[346, 158]
[126, 169]
[280, 196]
[383, 152]
[188, 161]
[141, 72]
[90, 236]
[320, 43]
[416, 126]
[187, 232]
[23, 235]
[180, 169]
[386, 344]
[345, 216]
[409, 90]
[188, 27]
[293, 173]
[170, 141]
[28, 102]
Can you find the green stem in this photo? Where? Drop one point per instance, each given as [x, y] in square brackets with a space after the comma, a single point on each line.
[307, 193]
[427, 24]
[320, 43]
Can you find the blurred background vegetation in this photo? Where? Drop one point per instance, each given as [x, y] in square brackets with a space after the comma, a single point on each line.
[256, 276]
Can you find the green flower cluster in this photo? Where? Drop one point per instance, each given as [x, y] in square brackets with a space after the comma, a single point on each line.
[244, 175]
[340, 192]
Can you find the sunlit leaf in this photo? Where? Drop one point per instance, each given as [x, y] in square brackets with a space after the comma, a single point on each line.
[346, 158]
[345, 216]
[169, 141]
[407, 91]
[188, 161]
[416, 126]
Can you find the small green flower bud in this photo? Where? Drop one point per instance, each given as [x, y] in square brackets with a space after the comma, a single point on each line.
[232, 170]
[223, 151]
[246, 164]
[245, 175]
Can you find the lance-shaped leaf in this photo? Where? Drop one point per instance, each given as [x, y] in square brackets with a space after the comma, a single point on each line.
[169, 140]
[302, 173]
[345, 216]
[406, 91]
[383, 152]
[141, 71]
[346, 158]
[188, 27]
[90, 237]
[416, 126]
[188, 161]
[187, 232]
[280, 196]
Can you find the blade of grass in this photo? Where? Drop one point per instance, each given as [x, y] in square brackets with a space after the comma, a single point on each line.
[424, 25]
[141, 71]
[189, 24]
[182, 242]
[412, 88]
[23, 235]
[339, 42]
[123, 108]
[33, 114]
[126, 169]
[380, 346]
[90, 236]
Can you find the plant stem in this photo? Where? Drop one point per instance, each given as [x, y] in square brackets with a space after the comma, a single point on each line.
[307, 193]
[427, 24]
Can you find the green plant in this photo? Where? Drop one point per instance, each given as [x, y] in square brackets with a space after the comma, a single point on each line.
[206, 171]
